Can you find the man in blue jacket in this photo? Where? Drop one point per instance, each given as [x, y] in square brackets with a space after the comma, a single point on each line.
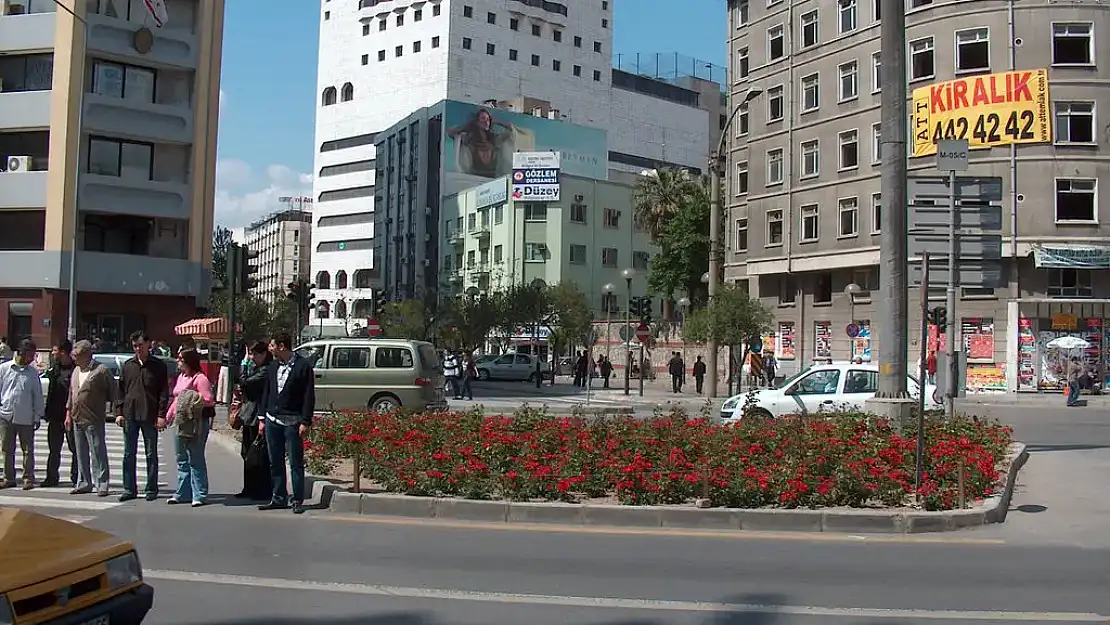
[288, 400]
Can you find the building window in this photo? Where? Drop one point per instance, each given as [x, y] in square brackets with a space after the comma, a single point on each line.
[973, 50]
[597, 75]
[557, 35]
[848, 217]
[877, 14]
[1073, 43]
[811, 93]
[468, 11]
[775, 109]
[810, 223]
[849, 149]
[1075, 122]
[742, 121]
[398, 51]
[741, 187]
[604, 22]
[809, 29]
[740, 243]
[400, 19]
[513, 55]
[578, 213]
[498, 253]
[822, 288]
[329, 96]
[131, 160]
[556, 65]
[126, 82]
[381, 55]
[848, 16]
[1070, 283]
[327, 15]
[491, 49]
[742, 62]
[609, 257]
[774, 166]
[365, 30]
[366, 59]
[436, 10]
[849, 81]
[577, 41]
[534, 211]
[921, 59]
[788, 291]
[435, 42]
[774, 227]
[536, 30]
[811, 158]
[876, 144]
[577, 254]
[640, 260]
[597, 47]
[1075, 200]
[577, 70]
[876, 73]
[467, 43]
[776, 48]
[612, 218]
[876, 213]
[491, 18]
[741, 13]
[535, 60]
[416, 46]
[535, 252]
[417, 15]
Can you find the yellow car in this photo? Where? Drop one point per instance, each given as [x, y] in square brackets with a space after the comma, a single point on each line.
[54, 572]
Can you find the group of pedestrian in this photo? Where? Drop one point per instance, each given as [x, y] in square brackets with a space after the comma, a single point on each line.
[460, 371]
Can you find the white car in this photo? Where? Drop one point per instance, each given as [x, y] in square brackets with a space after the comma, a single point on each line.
[830, 387]
[512, 366]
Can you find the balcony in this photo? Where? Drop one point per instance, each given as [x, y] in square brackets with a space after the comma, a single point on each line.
[24, 110]
[126, 196]
[25, 189]
[141, 120]
[115, 37]
[104, 272]
[455, 238]
[480, 230]
[33, 31]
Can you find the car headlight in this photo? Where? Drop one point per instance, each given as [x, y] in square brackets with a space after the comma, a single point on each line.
[123, 571]
[730, 404]
[7, 617]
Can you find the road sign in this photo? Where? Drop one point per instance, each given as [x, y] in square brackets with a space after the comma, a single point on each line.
[952, 155]
[985, 189]
[972, 216]
[986, 274]
[643, 332]
[373, 328]
[852, 330]
[626, 333]
[969, 246]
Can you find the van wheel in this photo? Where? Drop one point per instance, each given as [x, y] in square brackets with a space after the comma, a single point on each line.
[483, 375]
[384, 403]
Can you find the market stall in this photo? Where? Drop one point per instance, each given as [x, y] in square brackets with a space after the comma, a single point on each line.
[210, 335]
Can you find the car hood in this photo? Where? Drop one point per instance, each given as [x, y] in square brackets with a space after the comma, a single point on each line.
[757, 396]
[35, 548]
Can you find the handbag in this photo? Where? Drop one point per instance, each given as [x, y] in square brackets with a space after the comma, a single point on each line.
[256, 458]
[234, 420]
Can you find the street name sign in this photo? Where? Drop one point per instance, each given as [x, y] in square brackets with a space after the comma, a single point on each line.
[969, 246]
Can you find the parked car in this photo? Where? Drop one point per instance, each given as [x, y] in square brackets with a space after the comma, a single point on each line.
[64, 572]
[513, 367]
[380, 374]
[829, 387]
[114, 362]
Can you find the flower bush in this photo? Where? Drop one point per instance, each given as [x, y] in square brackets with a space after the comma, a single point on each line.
[853, 460]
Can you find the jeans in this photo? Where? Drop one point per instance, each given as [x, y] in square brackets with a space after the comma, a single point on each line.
[467, 388]
[699, 381]
[282, 442]
[9, 432]
[132, 428]
[192, 468]
[1073, 393]
[89, 441]
[452, 383]
[56, 434]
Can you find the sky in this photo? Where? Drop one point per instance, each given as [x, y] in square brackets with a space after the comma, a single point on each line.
[268, 88]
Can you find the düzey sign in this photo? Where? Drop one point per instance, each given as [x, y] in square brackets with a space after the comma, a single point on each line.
[536, 176]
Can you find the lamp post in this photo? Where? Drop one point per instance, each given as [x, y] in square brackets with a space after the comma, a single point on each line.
[607, 290]
[716, 166]
[852, 290]
[628, 274]
[539, 285]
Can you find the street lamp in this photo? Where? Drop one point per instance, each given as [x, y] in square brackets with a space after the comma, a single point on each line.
[628, 274]
[607, 290]
[852, 290]
[539, 285]
[716, 166]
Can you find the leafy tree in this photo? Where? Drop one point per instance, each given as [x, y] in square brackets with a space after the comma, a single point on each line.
[468, 320]
[731, 318]
[253, 314]
[285, 317]
[683, 251]
[409, 319]
[660, 195]
[573, 317]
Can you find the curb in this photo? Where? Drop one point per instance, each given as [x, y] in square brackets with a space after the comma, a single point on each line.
[852, 521]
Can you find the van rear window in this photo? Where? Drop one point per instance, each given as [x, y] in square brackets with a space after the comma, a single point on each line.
[428, 357]
[393, 358]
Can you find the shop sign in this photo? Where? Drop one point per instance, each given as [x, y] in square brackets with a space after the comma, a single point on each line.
[1064, 321]
[1071, 257]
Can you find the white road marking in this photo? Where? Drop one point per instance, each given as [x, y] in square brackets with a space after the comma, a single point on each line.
[615, 603]
[75, 503]
[113, 441]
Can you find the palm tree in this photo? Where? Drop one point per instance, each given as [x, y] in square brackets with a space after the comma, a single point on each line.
[659, 194]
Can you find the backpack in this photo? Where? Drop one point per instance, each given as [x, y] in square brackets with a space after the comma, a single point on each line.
[188, 413]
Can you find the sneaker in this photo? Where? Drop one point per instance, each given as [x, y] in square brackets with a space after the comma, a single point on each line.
[81, 491]
[198, 504]
[126, 497]
[173, 501]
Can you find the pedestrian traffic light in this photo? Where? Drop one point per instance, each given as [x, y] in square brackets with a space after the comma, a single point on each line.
[939, 317]
[645, 309]
[245, 264]
[635, 306]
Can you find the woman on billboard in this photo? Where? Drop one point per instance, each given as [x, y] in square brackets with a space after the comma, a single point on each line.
[485, 146]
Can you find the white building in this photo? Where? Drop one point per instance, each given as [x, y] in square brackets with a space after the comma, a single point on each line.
[380, 60]
[284, 245]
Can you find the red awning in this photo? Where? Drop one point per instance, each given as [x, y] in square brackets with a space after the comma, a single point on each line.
[208, 326]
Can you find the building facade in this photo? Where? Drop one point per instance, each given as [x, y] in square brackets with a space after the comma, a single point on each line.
[804, 181]
[284, 245]
[382, 60]
[130, 179]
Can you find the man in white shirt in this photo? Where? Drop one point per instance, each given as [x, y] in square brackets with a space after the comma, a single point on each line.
[22, 408]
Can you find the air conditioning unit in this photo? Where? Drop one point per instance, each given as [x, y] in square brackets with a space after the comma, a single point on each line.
[13, 7]
[578, 197]
[18, 163]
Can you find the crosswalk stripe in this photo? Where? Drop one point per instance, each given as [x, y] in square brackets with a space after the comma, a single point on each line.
[74, 503]
[113, 439]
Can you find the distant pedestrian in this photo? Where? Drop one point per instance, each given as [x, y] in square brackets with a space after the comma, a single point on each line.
[699, 374]
[289, 399]
[58, 377]
[931, 368]
[5, 349]
[675, 368]
[144, 397]
[256, 461]
[91, 390]
[1075, 372]
[22, 408]
[606, 369]
[469, 373]
[193, 415]
[581, 370]
[770, 368]
[682, 369]
[452, 370]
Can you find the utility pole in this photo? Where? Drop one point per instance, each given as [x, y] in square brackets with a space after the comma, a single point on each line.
[234, 262]
[892, 400]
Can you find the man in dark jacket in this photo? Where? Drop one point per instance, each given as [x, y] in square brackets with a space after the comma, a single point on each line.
[288, 400]
[57, 394]
[144, 393]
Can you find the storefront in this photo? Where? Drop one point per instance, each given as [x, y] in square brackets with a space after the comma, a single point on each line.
[1039, 368]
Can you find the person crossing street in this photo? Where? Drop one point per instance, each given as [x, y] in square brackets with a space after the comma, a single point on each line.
[22, 408]
[58, 377]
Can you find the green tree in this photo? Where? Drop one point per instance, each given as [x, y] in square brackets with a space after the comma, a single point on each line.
[659, 196]
[731, 318]
[285, 317]
[572, 315]
[683, 251]
[469, 320]
[253, 314]
[409, 319]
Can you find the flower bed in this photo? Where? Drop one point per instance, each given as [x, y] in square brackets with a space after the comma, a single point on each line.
[848, 460]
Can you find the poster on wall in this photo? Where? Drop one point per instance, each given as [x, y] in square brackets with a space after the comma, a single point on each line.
[822, 344]
[536, 176]
[861, 344]
[1092, 333]
[786, 341]
[986, 377]
[978, 334]
[1026, 357]
[1051, 361]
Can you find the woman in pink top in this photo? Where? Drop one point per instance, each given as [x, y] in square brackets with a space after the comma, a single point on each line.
[192, 468]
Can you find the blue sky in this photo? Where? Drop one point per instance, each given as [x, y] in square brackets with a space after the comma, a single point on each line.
[268, 92]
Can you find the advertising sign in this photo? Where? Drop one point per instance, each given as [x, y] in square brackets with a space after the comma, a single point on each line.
[536, 176]
[987, 111]
[479, 144]
[491, 193]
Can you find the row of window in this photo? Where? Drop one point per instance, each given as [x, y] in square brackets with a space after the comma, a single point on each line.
[399, 51]
[514, 55]
[363, 279]
[479, 260]
[330, 94]
[537, 27]
[399, 19]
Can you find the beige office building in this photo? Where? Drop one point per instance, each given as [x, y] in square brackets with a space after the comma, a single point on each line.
[805, 210]
[135, 168]
[284, 245]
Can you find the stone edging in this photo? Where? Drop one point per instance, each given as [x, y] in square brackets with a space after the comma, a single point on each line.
[991, 510]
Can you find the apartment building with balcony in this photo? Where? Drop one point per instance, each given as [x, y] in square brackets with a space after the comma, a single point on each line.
[803, 191]
[130, 178]
[283, 241]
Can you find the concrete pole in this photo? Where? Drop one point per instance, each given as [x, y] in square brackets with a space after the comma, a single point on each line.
[711, 347]
[893, 322]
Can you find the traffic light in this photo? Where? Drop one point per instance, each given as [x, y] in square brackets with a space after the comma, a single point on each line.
[635, 306]
[939, 317]
[380, 301]
[245, 267]
[645, 310]
[294, 292]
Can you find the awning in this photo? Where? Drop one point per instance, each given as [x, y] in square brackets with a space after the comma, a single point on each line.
[208, 326]
[1071, 257]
